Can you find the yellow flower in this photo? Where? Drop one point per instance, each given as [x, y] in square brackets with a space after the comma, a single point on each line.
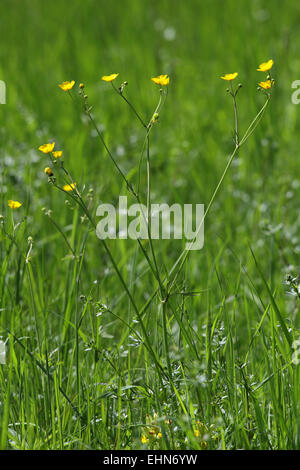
[197, 433]
[162, 80]
[144, 439]
[47, 148]
[266, 85]
[159, 435]
[66, 86]
[14, 204]
[229, 76]
[69, 187]
[110, 78]
[265, 66]
[48, 171]
[57, 154]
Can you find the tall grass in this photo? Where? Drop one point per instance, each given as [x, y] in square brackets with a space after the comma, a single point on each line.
[127, 345]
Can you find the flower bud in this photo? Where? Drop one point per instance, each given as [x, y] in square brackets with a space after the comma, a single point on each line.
[48, 171]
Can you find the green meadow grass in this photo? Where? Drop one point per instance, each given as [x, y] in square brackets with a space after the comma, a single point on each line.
[210, 370]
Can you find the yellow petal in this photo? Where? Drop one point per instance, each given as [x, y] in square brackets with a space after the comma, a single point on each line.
[48, 171]
[66, 86]
[266, 85]
[162, 80]
[57, 154]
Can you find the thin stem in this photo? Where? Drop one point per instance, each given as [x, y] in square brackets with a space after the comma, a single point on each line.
[247, 134]
[148, 220]
[148, 179]
[166, 343]
[40, 365]
[62, 233]
[148, 128]
[255, 121]
[129, 186]
[129, 104]
[233, 94]
[115, 266]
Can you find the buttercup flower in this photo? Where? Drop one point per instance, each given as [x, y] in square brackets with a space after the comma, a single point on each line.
[69, 187]
[265, 66]
[48, 171]
[229, 76]
[266, 85]
[110, 78]
[14, 204]
[47, 148]
[152, 431]
[162, 80]
[57, 154]
[66, 86]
